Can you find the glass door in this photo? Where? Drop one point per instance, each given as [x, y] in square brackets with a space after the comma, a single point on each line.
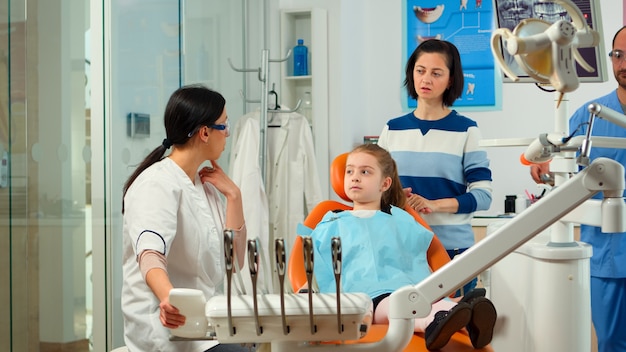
[157, 46]
[71, 74]
[45, 156]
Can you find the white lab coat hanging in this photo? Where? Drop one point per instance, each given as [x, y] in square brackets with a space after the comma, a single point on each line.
[293, 185]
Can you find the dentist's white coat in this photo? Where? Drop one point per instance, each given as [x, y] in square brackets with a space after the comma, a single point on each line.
[166, 212]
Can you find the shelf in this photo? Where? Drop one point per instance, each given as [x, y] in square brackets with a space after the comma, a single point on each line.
[311, 25]
[298, 78]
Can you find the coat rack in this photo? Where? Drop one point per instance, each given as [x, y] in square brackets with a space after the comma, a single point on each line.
[263, 73]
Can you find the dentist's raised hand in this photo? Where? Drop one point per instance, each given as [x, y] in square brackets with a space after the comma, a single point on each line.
[234, 207]
[218, 178]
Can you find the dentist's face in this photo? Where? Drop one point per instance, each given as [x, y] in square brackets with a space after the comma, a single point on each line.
[216, 142]
[619, 66]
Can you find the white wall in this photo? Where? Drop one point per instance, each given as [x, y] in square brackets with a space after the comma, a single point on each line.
[366, 73]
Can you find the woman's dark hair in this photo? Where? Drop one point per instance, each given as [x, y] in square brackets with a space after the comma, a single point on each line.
[453, 60]
[188, 108]
[394, 195]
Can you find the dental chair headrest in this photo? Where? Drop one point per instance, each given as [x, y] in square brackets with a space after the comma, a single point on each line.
[337, 173]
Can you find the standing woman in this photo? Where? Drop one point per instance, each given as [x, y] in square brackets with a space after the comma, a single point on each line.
[173, 222]
[444, 172]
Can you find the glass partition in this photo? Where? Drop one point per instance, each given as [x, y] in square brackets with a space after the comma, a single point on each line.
[156, 46]
[80, 107]
[44, 176]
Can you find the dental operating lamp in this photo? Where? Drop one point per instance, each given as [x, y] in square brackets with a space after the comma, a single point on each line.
[547, 52]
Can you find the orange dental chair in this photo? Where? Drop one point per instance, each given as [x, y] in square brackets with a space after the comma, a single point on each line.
[437, 257]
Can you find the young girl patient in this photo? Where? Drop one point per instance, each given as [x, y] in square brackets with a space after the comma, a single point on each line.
[384, 248]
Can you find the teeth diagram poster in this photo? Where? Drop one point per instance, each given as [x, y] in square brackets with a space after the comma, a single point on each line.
[468, 25]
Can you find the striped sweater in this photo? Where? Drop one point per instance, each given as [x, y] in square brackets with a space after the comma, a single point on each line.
[442, 159]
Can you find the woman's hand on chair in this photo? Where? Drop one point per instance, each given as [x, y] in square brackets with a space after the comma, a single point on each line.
[420, 204]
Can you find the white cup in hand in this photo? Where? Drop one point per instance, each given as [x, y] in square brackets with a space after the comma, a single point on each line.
[190, 303]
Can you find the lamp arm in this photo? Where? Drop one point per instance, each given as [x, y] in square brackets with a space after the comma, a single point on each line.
[602, 174]
[607, 113]
[598, 142]
[547, 144]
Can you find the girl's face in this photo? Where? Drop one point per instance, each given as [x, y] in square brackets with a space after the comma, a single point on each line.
[431, 76]
[364, 182]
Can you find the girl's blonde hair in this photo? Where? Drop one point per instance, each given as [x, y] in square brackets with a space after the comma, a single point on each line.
[394, 195]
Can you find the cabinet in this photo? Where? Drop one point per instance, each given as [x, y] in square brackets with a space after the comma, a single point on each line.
[312, 26]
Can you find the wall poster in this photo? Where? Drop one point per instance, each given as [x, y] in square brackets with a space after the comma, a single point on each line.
[467, 24]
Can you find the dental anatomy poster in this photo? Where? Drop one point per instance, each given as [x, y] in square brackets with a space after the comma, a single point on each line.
[468, 25]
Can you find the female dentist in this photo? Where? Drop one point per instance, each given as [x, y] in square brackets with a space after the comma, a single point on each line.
[173, 222]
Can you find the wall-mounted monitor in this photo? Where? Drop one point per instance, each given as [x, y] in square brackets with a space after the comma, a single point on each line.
[509, 13]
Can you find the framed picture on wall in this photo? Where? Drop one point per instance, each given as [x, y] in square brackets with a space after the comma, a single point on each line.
[509, 13]
[466, 24]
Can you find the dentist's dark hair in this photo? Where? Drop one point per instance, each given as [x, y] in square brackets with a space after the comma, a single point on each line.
[188, 108]
[453, 61]
[615, 36]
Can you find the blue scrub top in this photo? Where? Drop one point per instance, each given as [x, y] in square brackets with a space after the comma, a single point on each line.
[609, 249]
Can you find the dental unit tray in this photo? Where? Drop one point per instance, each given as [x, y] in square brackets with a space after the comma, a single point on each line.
[355, 313]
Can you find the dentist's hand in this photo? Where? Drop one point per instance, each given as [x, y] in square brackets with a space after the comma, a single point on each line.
[170, 316]
[539, 170]
[218, 178]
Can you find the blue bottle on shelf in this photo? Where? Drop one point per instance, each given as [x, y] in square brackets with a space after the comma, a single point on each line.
[300, 59]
